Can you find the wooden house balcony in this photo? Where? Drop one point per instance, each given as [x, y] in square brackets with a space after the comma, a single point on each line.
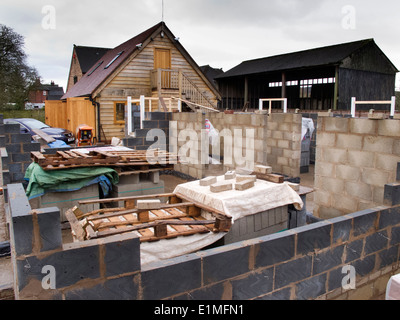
[173, 82]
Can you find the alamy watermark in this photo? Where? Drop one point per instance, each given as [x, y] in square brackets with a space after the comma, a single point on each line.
[49, 19]
[49, 280]
[349, 21]
[194, 147]
[349, 280]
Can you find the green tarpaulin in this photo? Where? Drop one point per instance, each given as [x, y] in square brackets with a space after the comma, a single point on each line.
[41, 181]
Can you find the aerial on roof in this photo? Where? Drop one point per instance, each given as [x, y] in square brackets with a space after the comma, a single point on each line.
[330, 55]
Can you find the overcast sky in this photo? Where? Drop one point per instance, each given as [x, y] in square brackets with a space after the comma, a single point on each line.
[221, 33]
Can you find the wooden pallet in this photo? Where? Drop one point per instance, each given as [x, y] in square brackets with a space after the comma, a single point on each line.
[76, 159]
[177, 217]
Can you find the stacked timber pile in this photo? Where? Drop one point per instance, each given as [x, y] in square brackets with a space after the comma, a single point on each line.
[76, 159]
[148, 217]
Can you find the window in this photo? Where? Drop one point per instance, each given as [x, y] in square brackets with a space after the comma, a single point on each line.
[75, 79]
[119, 112]
[98, 65]
[112, 61]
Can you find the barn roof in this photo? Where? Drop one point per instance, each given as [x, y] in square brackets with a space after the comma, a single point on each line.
[107, 64]
[324, 56]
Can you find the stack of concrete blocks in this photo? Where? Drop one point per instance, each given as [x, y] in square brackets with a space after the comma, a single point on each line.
[251, 226]
[67, 200]
[137, 185]
[188, 141]
[356, 158]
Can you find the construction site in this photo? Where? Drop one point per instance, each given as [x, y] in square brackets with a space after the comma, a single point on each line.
[276, 180]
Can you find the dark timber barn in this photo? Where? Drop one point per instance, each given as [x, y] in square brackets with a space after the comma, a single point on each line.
[317, 79]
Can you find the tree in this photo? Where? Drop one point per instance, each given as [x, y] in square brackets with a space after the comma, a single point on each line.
[16, 76]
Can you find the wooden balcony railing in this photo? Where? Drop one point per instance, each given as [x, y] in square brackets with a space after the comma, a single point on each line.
[165, 79]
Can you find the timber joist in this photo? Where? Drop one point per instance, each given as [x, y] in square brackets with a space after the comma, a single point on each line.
[76, 159]
[150, 220]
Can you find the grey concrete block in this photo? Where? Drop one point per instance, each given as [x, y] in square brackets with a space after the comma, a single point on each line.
[311, 288]
[172, 277]
[223, 264]
[21, 157]
[15, 168]
[314, 236]
[50, 229]
[389, 217]
[328, 260]
[274, 249]
[130, 179]
[388, 257]
[30, 147]
[335, 278]
[363, 221]
[122, 255]
[392, 194]
[254, 285]
[22, 234]
[395, 237]
[18, 202]
[292, 271]
[354, 250]
[376, 242]
[398, 172]
[12, 128]
[341, 229]
[14, 148]
[365, 266]
[122, 288]
[71, 266]
[21, 138]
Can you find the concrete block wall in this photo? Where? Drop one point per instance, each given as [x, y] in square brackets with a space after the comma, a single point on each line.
[191, 162]
[243, 122]
[355, 159]
[277, 140]
[284, 143]
[309, 262]
[143, 139]
[16, 156]
[97, 269]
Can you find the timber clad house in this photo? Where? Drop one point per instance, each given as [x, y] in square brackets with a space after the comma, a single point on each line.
[153, 64]
[317, 79]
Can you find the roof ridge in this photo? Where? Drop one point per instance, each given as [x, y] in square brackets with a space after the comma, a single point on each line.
[312, 49]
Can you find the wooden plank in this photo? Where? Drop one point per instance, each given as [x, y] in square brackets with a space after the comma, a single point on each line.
[113, 214]
[77, 230]
[154, 196]
[44, 136]
[145, 226]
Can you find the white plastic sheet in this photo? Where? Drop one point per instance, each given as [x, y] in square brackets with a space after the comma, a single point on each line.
[262, 197]
[393, 288]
